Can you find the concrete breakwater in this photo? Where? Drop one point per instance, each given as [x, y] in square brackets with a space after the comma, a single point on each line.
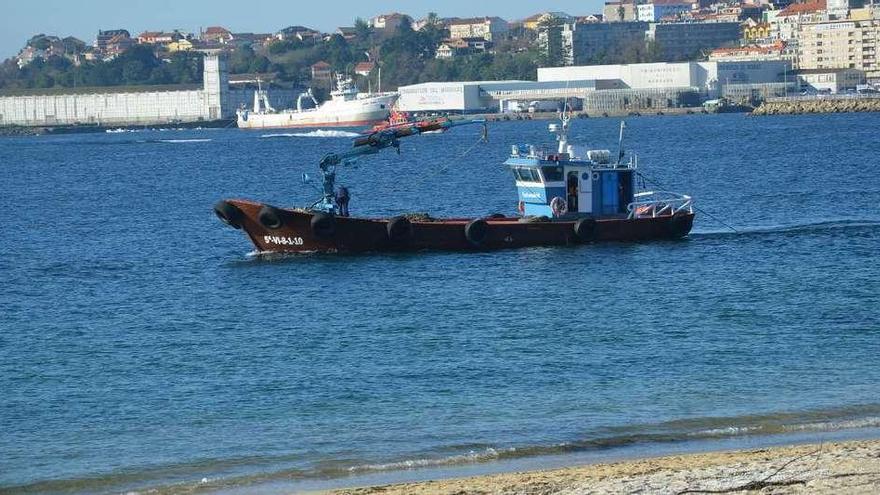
[795, 106]
[18, 130]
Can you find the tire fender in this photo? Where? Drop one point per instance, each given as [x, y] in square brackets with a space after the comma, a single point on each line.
[270, 217]
[476, 232]
[323, 224]
[229, 214]
[679, 224]
[399, 230]
[585, 229]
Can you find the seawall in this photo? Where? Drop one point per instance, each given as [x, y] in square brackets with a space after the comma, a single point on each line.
[828, 104]
[18, 130]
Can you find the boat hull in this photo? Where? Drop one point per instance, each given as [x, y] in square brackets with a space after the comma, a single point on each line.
[298, 231]
[354, 113]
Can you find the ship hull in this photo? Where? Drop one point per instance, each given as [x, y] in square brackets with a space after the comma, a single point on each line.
[297, 231]
[354, 113]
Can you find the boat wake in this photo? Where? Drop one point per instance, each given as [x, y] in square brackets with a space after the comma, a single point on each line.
[123, 130]
[826, 225]
[320, 133]
[178, 141]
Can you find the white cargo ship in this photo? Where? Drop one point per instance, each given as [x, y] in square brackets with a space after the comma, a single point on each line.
[345, 108]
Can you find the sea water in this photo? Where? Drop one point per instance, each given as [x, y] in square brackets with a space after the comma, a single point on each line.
[142, 347]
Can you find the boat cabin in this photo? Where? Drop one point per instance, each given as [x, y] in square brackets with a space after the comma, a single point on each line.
[576, 183]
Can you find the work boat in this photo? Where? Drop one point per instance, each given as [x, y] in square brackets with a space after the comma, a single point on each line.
[345, 108]
[572, 196]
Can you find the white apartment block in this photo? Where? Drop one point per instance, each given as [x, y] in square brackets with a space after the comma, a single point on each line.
[840, 45]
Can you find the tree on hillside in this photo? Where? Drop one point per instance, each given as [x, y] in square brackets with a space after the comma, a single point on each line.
[550, 41]
[362, 30]
[40, 42]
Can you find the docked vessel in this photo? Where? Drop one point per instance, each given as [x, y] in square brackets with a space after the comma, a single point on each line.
[345, 108]
[572, 196]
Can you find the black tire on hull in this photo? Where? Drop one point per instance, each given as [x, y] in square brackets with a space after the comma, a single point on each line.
[399, 230]
[585, 229]
[496, 216]
[679, 225]
[323, 224]
[229, 214]
[270, 217]
[476, 232]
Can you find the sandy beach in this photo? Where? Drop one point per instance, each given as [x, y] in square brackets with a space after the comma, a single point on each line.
[831, 468]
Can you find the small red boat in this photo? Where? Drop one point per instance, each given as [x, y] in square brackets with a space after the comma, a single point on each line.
[574, 196]
[399, 120]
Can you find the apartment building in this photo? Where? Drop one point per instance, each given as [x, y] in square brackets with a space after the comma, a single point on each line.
[840, 45]
[592, 42]
[688, 40]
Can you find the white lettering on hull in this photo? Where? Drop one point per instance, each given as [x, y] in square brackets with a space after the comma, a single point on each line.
[283, 241]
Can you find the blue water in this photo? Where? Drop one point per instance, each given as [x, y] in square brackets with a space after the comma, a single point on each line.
[143, 347]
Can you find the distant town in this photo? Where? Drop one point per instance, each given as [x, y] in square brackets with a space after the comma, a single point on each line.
[633, 55]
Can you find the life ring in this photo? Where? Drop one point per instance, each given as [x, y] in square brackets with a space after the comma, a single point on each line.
[399, 230]
[270, 217]
[323, 224]
[229, 214]
[558, 206]
[476, 232]
[521, 207]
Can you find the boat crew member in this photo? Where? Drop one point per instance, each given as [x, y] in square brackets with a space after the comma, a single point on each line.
[342, 198]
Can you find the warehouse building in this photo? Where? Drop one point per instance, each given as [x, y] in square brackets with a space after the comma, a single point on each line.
[709, 78]
[485, 96]
[606, 88]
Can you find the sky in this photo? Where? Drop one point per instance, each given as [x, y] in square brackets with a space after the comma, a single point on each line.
[82, 18]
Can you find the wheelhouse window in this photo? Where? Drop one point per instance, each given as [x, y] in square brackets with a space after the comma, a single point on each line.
[526, 174]
[552, 174]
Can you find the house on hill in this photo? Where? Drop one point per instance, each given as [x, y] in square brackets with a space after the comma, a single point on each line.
[364, 68]
[216, 34]
[347, 32]
[488, 28]
[390, 23]
[533, 22]
[300, 33]
[321, 74]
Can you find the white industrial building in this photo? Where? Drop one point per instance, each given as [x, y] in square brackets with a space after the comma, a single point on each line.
[605, 87]
[214, 100]
[485, 96]
[708, 77]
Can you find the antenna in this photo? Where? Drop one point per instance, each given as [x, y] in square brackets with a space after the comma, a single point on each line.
[620, 150]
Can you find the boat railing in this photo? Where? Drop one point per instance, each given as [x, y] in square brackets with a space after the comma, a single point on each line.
[653, 204]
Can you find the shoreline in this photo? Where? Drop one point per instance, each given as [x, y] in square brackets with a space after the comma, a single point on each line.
[849, 466]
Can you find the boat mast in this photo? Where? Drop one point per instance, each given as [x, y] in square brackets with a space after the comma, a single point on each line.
[561, 129]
